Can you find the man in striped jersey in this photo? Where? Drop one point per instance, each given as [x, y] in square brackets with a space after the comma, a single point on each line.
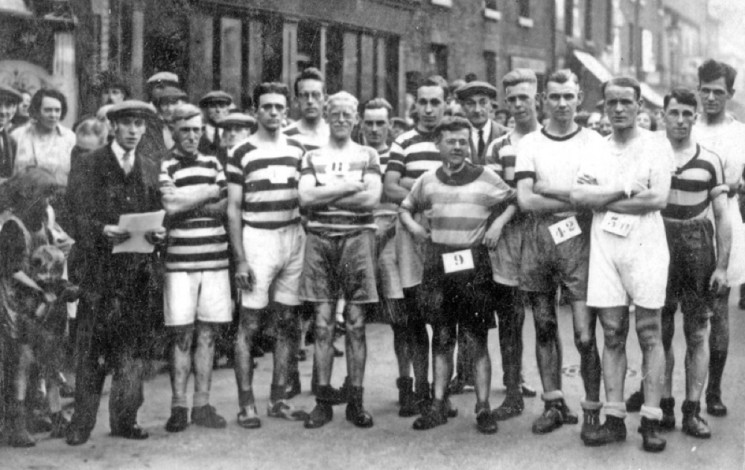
[520, 88]
[311, 129]
[465, 206]
[556, 248]
[196, 295]
[696, 274]
[412, 154]
[268, 243]
[340, 186]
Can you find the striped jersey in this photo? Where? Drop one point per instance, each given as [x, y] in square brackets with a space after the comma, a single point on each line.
[414, 153]
[501, 156]
[694, 185]
[386, 206]
[308, 141]
[268, 175]
[459, 206]
[195, 242]
[328, 170]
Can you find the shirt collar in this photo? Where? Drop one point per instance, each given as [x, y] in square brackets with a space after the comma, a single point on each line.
[487, 131]
[467, 174]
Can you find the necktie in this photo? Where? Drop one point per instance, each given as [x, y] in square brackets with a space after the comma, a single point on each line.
[127, 162]
[481, 143]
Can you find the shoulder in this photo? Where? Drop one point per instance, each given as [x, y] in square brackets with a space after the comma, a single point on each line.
[292, 129]
[409, 137]
[294, 143]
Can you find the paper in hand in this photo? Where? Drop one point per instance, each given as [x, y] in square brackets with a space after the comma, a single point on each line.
[138, 225]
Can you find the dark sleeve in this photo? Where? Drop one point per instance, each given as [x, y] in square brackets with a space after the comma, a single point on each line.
[12, 249]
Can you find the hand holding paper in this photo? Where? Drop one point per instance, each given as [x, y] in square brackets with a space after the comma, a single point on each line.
[135, 232]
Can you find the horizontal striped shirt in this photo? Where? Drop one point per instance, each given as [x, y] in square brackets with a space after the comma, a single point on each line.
[459, 206]
[308, 141]
[269, 176]
[195, 242]
[329, 170]
[413, 153]
[694, 185]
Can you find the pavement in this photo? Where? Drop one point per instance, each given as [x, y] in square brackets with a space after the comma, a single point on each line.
[392, 443]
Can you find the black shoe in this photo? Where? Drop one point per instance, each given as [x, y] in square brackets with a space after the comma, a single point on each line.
[134, 432]
[635, 401]
[423, 397]
[76, 437]
[651, 440]
[248, 417]
[512, 406]
[434, 416]
[59, 425]
[590, 424]
[332, 396]
[555, 414]
[338, 352]
[486, 422]
[612, 430]
[406, 399]
[207, 417]
[319, 416]
[355, 412]
[667, 423]
[693, 424]
[714, 406]
[293, 385]
[527, 390]
[179, 419]
[568, 416]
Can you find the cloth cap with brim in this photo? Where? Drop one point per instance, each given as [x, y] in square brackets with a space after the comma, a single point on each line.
[171, 93]
[237, 119]
[216, 96]
[163, 78]
[10, 94]
[131, 108]
[473, 88]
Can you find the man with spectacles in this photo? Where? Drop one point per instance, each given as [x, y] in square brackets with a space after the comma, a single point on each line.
[310, 94]
[340, 187]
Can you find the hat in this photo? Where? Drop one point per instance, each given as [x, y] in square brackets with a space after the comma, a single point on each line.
[133, 108]
[237, 119]
[215, 96]
[184, 112]
[171, 92]
[472, 88]
[10, 94]
[163, 78]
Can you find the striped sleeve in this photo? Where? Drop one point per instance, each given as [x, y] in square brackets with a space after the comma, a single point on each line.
[166, 178]
[234, 169]
[396, 158]
[221, 179]
[525, 160]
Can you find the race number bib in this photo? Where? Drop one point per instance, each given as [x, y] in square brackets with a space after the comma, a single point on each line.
[618, 224]
[339, 168]
[457, 261]
[564, 230]
[279, 174]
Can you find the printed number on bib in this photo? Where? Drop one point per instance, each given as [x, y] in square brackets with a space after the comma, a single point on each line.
[339, 167]
[457, 261]
[564, 230]
[618, 224]
[279, 174]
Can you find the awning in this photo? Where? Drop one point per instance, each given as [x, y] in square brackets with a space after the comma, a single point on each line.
[594, 66]
[651, 97]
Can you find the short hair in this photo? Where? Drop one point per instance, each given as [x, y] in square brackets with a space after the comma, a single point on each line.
[623, 82]
[35, 107]
[342, 96]
[506, 112]
[518, 76]
[378, 103]
[437, 81]
[562, 76]
[184, 112]
[452, 124]
[682, 96]
[270, 87]
[26, 187]
[712, 70]
[311, 73]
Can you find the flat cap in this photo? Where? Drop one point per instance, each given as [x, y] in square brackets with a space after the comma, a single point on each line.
[10, 94]
[173, 93]
[237, 119]
[184, 112]
[472, 88]
[163, 77]
[134, 108]
[215, 96]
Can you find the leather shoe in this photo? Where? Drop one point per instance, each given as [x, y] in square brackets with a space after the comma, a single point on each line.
[715, 407]
[486, 422]
[76, 437]
[134, 432]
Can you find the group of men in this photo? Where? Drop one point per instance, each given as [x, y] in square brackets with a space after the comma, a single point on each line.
[457, 220]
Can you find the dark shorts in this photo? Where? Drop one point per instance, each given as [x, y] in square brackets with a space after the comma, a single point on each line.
[465, 298]
[692, 261]
[339, 266]
[545, 265]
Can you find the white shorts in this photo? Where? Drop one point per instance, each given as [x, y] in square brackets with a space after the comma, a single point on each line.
[409, 255]
[276, 258]
[197, 295]
[631, 269]
[736, 269]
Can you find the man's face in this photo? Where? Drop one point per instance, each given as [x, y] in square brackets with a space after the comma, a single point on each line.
[430, 104]
[454, 146]
[679, 120]
[644, 121]
[561, 101]
[342, 117]
[50, 112]
[714, 96]
[233, 134]
[186, 134]
[25, 103]
[310, 97]
[128, 131]
[604, 127]
[217, 110]
[7, 111]
[271, 111]
[477, 108]
[167, 106]
[112, 96]
[520, 101]
[376, 125]
[621, 107]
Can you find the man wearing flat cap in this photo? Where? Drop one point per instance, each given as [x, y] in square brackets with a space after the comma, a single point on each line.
[216, 105]
[9, 100]
[476, 98]
[114, 317]
[158, 82]
[158, 138]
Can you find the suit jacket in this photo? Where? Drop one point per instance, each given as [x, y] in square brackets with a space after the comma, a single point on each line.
[497, 131]
[7, 154]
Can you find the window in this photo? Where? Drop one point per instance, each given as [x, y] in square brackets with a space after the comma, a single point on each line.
[490, 60]
[443, 3]
[560, 9]
[523, 8]
[491, 10]
[588, 20]
[571, 18]
[609, 22]
[438, 59]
